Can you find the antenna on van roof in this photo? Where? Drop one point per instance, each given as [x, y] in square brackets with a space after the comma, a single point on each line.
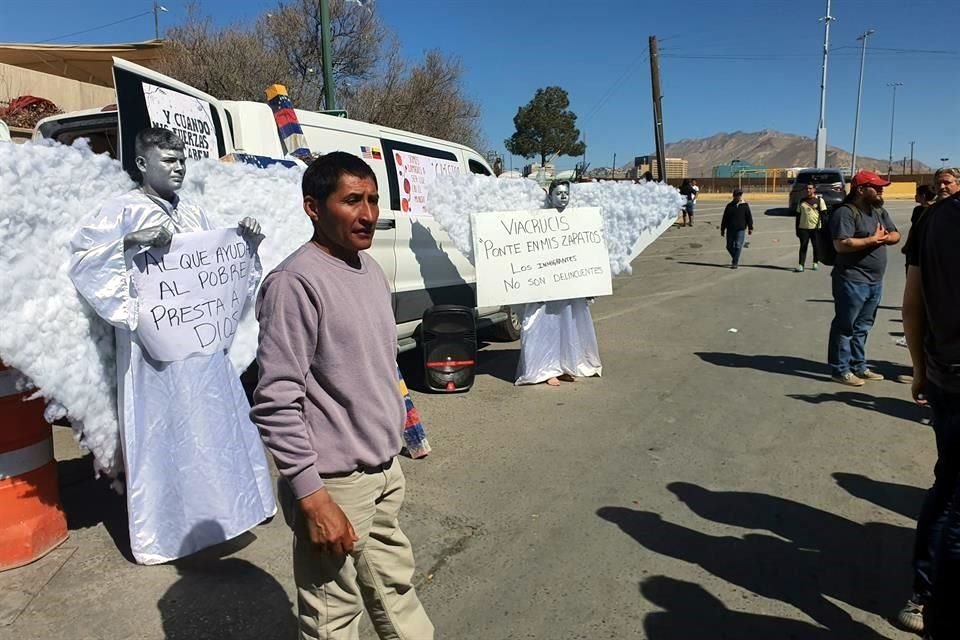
[291, 134]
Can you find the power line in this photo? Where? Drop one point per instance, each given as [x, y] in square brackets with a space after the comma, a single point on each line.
[97, 28]
[631, 67]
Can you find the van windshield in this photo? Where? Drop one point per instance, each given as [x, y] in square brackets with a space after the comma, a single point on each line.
[819, 178]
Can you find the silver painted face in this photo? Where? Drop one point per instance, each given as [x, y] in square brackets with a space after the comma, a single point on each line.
[560, 196]
[163, 171]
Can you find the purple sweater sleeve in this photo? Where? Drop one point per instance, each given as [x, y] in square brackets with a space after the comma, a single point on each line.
[288, 310]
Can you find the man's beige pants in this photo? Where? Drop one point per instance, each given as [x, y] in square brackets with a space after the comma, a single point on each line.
[379, 573]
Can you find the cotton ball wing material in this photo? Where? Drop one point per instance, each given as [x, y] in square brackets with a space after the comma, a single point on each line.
[633, 215]
[49, 333]
[452, 199]
[273, 196]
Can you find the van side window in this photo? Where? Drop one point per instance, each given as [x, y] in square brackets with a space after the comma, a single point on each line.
[476, 167]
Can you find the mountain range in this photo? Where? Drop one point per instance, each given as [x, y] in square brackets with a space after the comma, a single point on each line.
[770, 149]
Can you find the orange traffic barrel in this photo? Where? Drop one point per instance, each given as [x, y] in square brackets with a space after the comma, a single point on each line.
[33, 521]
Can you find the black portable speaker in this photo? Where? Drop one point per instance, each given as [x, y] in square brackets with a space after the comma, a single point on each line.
[449, 337]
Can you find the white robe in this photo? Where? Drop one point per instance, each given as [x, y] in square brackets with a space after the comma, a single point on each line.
[557, 338]
[196, 472]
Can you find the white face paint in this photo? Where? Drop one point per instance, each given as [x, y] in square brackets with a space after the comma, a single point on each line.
[163, 171]
[560, 196]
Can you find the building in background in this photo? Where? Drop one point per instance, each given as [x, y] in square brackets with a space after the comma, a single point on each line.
[737, 168]
[545, 173]
[675, 167]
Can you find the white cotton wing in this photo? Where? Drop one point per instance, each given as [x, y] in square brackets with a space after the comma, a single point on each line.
[634, 215]
[48, 332]
[228, 192]
[452, 199]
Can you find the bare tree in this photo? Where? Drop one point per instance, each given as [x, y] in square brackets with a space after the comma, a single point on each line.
[284, 46]
[374, 83]
[426, 98]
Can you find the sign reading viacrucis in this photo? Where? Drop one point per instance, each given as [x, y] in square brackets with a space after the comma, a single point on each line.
[539, 255]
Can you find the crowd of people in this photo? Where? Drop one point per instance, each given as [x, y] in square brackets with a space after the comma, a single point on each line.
[328, 409]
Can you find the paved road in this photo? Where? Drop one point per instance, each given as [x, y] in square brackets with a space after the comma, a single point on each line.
[713, 484]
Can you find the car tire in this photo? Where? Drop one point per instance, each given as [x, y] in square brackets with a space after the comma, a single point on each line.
[509, 329]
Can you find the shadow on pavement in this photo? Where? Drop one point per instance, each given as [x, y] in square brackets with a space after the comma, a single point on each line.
[785, 365]
[898, 498]
[690, 611]
[726, 265]
[811, 557]
[778, 211]
[216, 597]
[882, 307]
[893, 407]
[88, 501]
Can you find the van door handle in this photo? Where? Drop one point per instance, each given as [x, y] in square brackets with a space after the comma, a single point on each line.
[386, 224]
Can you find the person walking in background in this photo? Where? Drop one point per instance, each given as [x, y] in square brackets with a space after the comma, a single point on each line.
[689, 197]
[808, 224]
[737, 222]
[861, 229]
[931, 322]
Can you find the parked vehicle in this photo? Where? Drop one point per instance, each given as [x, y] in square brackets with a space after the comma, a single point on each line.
[415, 253]
[830, 184]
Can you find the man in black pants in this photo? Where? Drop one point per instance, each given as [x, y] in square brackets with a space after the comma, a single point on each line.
[808, 223]
[736, 223]
[931, 321]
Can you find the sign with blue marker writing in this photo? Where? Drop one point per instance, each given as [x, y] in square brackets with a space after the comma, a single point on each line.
[540, 255]
[190, 295]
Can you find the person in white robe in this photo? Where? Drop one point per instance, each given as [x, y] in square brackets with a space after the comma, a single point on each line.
[557, 338]
[195, 470]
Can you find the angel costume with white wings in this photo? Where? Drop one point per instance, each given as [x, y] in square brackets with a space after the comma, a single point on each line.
[192, 457]
[558, 337]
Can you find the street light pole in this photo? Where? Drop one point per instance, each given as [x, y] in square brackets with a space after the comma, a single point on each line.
[157, 8]
[943, 162]
[822, 125]
[329, 91]
[856, 125]
[912, 142]
[893, 113]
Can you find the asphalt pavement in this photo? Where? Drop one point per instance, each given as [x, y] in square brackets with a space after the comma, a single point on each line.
[714, 483]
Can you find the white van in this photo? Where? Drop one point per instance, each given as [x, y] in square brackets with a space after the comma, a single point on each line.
[413, 250]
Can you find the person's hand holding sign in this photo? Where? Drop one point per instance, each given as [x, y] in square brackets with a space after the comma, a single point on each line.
[158, 236]
[250, 230]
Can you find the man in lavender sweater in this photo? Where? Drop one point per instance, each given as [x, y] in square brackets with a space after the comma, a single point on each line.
[329, 410]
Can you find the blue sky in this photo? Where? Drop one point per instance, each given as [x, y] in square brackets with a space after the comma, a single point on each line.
[727, 65]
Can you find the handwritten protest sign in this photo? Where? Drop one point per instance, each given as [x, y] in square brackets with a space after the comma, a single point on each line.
[188, 117]
[191, 294]
[539, 255]
[415, 172]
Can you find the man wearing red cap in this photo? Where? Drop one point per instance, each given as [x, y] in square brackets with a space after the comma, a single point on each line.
[931, 322]
[861, 230]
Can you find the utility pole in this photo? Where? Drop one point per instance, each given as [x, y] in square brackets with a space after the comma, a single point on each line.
[157, 8]
[856, 125]
[329, 92]
[657, 109]
[893, 113]
[822, 125]
[912, 142]
[613, 169]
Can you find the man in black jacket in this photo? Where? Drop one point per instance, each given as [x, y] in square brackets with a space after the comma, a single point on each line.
[737, 222]
[931, 321]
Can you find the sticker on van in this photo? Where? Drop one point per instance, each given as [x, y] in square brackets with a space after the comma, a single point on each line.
[415, 172]
[371, 153]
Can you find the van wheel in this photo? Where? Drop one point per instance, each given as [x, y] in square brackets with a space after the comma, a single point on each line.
[509, 329]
